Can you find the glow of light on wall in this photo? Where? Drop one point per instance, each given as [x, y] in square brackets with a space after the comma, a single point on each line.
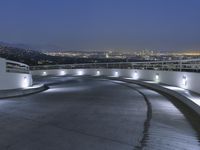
[196, 100]
[62, 73]
[157, 77]
[150, 81]
[98, 73]
[116, 74]
[174, 88]
[80, 73]
[184, 80]
[135, 75]
[25, 82]
[44, 73]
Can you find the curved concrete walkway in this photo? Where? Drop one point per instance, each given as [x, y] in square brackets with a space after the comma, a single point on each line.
[98, 114]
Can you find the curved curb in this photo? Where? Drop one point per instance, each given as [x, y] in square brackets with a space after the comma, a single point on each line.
[190, 104]
[175, 94]
[147, 122]
[22, 92]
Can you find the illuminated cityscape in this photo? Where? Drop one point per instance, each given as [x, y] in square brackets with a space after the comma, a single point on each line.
[33, 57]
[142, 54]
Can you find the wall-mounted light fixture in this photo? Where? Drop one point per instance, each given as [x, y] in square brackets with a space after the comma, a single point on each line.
[80, 73]
[62, 73]
[25, 82]
[116, 74]
[44, 73]
[98, 73]
[184, 80]
[135, 75]
[157, 77]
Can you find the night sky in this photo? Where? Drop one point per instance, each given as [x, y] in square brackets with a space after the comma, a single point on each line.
[100, 24]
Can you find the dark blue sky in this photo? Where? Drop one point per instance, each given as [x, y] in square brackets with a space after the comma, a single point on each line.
[85, 24]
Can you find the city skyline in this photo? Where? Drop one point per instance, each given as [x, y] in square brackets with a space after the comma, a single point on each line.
[78, 25]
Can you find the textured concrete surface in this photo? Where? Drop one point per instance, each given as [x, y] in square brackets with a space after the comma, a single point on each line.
[84, 113]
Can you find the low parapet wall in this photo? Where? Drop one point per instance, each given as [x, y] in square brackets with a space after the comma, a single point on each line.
[14, 77]
[186, 80]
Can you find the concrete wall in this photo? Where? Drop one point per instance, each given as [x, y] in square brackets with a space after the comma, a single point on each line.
[185, 80]
[9, 80]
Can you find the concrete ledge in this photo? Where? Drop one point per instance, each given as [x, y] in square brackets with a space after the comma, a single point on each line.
[156, 87]
[22, 92]
[186, 80]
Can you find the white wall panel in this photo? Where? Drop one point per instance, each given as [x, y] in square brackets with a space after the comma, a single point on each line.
[167, 77]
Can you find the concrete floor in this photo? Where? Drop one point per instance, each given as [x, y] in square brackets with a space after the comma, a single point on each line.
[93, 114]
